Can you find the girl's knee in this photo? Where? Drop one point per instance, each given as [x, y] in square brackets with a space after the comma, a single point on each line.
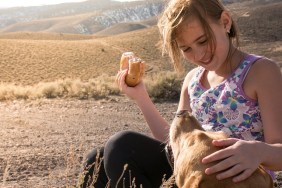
[119, 148]
[120, 140]
[93, 156]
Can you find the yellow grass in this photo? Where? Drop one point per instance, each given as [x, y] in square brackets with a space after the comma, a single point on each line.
[101, 87]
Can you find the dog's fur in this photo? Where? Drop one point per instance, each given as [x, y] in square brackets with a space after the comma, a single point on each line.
[190, 144]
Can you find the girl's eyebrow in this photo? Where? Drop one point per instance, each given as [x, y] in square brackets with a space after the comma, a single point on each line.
[200, 37]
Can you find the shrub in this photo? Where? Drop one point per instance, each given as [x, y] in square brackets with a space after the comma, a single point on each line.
[164, 86]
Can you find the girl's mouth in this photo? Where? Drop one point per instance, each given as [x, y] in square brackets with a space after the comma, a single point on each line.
[208, 61]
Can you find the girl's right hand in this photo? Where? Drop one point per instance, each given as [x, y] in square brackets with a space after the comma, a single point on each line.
[136, 93]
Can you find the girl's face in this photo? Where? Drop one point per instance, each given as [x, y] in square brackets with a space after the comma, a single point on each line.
[194, 44]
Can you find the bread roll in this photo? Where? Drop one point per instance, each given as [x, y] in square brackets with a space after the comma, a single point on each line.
[135, 66]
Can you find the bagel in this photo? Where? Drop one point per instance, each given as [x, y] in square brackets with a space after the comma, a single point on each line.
[135, 66]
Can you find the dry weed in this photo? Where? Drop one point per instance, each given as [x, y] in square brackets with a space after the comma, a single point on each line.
[6, 173]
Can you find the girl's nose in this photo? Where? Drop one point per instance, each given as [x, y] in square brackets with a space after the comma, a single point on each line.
[199, 53]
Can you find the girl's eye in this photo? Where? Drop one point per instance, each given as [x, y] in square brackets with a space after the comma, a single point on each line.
[203, 42]
[186, 50]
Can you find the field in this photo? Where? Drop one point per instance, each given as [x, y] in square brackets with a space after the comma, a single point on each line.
[58, 98]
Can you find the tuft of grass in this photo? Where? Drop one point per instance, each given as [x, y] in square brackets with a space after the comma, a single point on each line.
[6, 173]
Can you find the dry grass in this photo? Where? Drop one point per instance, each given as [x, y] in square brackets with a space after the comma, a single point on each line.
[101, 87]
[167, 182]
[166, 85]
[29, 62]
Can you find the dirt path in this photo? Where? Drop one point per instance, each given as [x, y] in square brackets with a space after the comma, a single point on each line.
[42, 143]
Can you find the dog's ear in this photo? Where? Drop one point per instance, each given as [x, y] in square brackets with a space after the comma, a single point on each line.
[193, 181]
[194, 122]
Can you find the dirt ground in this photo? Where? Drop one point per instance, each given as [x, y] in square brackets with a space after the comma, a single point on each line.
[43, 142]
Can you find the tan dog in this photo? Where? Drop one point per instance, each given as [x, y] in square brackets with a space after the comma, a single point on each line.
[190, 144]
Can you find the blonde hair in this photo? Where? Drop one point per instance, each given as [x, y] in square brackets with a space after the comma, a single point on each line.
[177, 11]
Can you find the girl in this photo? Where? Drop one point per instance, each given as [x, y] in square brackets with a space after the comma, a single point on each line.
[229, 91]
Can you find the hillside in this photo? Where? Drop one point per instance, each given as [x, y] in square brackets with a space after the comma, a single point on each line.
[28, 58]
[26, 61]
[262, 23]
[87, 17]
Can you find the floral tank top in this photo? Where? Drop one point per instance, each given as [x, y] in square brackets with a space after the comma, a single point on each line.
[226, 107]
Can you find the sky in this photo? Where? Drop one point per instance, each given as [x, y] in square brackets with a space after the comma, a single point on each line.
[25, 3]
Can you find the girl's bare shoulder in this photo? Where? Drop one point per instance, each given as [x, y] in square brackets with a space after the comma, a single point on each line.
[265, 64]
[190, 74]
[265, 69]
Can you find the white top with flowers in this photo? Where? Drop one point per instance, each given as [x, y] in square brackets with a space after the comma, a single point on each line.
[226, 107]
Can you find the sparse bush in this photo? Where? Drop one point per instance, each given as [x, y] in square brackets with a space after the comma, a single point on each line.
[164, 86]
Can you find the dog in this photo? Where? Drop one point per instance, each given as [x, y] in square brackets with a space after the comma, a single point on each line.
[190, 143]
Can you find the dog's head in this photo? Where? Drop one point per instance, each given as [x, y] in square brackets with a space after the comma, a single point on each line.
[190, 144]
[183, 122]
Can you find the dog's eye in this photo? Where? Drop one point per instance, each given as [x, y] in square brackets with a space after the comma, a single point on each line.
[181, 112]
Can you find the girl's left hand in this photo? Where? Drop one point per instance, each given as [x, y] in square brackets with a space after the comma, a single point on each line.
[239, 159]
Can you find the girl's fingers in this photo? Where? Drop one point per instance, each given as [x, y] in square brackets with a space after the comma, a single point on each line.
[218, 155]
[236, 169]
[223, 153]
[244, 175]
[225, 142]
[117, 77]
[222, 165]
[120, 78]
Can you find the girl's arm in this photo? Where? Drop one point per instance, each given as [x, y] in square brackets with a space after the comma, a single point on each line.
[158, 125]
[269, 93]
[184, 102]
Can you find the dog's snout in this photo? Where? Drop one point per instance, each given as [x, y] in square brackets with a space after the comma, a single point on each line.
[181, 113]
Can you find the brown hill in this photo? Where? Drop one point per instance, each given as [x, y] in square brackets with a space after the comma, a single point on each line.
[120, 28]
[262, 23]
[27, 60]
[44, 36]
[68, 24]
[127, 27]
[86, 17]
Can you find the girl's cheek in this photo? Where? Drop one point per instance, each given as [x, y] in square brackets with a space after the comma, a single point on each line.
[188, 56]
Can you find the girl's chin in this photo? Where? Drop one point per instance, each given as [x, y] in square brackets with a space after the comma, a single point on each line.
[208, 62]
[209, 66]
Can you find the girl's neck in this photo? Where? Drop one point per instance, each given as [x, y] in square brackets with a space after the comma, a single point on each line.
[213, 78]
[236, 57]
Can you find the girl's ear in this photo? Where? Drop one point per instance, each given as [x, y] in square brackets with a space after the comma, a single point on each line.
[226, 21]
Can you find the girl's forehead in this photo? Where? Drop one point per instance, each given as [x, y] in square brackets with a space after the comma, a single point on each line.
[189, 29]
[190, 24]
